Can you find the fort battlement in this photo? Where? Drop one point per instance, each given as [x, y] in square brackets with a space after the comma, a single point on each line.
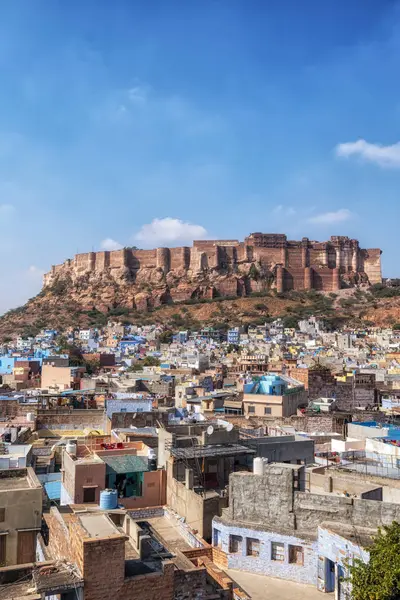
[231, 267]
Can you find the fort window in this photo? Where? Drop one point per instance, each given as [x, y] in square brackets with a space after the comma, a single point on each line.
[267, 410]
[235, 543]
[296, 555]
[2, 514]
[251, 409]
[252, 547]
[277, 551]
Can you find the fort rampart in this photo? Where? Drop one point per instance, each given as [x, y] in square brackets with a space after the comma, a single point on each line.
[240, 266]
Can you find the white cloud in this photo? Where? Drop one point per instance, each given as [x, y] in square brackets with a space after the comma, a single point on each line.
[138, 94]
[287, 211]
[339, 216]
[110, 244]
[169, 231]
[384, 156]
[6, 209]
[35, 272]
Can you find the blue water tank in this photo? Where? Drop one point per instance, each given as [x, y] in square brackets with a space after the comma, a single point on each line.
[108, 499]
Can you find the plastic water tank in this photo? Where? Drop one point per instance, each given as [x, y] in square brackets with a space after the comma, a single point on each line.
[30, 416]
[258, 466]
[71, 448]
[108, 499]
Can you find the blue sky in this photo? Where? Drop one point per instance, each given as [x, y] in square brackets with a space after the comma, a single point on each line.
[150, 123]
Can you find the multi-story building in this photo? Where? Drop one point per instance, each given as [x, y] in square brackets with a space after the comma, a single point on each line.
[233, 336]
[20, 515]
[273, 396]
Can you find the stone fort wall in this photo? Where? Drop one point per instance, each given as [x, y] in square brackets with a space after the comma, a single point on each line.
[298, 265]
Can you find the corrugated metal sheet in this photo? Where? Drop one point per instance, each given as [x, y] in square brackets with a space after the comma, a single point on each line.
[126, 464]
[53, 489]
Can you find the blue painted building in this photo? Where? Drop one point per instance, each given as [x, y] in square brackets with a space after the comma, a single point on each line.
[233, 336]
[130, 405]
[258, 550]
[271, 385]
[6, 365]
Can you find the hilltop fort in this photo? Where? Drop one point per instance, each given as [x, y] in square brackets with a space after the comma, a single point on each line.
[211, 268]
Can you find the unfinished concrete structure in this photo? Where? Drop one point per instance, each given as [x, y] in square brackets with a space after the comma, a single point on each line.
[148, 554]
[226, 267]
[199, 460]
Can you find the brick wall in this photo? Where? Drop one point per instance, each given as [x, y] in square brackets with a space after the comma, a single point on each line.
[153, 586]
[190, 585]
[103, 568]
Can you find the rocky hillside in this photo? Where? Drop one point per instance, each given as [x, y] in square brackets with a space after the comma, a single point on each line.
[63, 306]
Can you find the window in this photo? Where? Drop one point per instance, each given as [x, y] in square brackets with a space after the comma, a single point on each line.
[277, 551]
[235, 543]
[296, 555]
[267, 410]
[89, 494]
[251, 409]
[151, 485]
[217, 541]
[2, 514]
[252, 547]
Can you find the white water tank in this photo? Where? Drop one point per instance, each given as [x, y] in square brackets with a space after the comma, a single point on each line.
[258, 466]
[71, 448]
[30, 417]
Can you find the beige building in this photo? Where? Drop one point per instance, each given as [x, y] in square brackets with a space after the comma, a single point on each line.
[261, 405]
[62, 378]
[20, 515]
[273, 396]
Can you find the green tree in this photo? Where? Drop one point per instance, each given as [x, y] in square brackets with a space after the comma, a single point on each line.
[151, 361]
[92, 366]
[166, 337]
[379, 579]
[254, 273]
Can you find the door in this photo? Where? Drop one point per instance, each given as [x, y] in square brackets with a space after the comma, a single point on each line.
[89, 494]
[3, 550]
[26, 549]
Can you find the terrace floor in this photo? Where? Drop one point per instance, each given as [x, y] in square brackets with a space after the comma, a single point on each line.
[262, 587]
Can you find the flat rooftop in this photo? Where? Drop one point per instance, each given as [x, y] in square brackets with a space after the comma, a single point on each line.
[16, 479]
[98, 525]
[168, 529]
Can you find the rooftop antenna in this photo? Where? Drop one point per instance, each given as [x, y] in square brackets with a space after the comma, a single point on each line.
[229, 427]
[210, 430]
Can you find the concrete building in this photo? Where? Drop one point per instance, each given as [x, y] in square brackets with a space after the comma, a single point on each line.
[198, 462]
[61, 378]
[273, 396]
[20, 515]
[233, 335]
[275, 525]
[121, 466]
[283, 449]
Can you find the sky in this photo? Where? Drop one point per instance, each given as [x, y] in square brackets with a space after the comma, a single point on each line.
[155, 123]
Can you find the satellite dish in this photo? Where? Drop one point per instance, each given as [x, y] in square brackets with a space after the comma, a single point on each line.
[229, 427]
[210, 430]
